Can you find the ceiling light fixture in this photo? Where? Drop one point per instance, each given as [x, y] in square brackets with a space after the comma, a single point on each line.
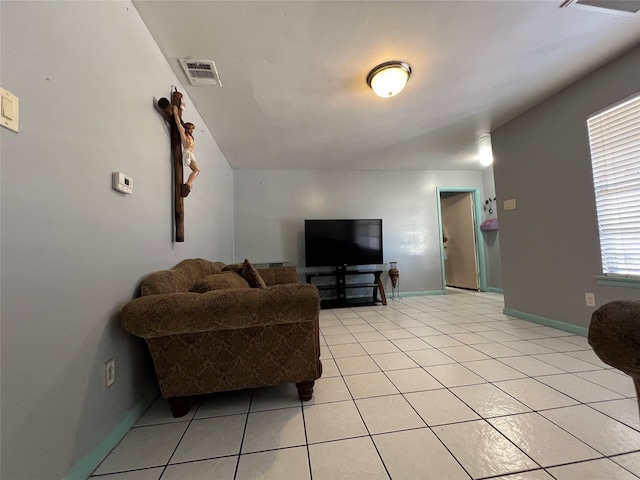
[389, 78]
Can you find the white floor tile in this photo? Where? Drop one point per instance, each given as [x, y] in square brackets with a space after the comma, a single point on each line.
[340, 339]
[612, 380]
[417, 454]
[454, 375]
[531, 366]
[277, 396]
[413, 380]
[493, 370]
[144, 447]
[370, 385]
[285, 464]
[592, 470]
[464, 353]
[579, 388]
[439, 341]
[530, 475]
[590, 357]
[469, 338]
[355, 459]
[333, 421]
[356, 365]
[534, 394]
[438, 407]
[388, 414]
[147, 474]
[491, 455]
[566, 362]
[218, 468]
[347, 350]
[224, 403]
[211, 437]
[429, 357]
[604, 434]
[558, 344]
[385, 346]
[630, 461]
[496, 350]
[489, 401]
[527, 347]
[413, 343]
[273, 429]
[329, 368]
[543, 441]
[393, 361]
[160, 412]
[330, 389]
[625, 411]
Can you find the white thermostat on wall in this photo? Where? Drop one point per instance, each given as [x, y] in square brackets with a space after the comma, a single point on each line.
[122, 182]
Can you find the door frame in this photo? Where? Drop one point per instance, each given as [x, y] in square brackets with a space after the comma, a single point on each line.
[481, 267]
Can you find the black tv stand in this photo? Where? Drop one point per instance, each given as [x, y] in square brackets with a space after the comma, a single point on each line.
[341, 286]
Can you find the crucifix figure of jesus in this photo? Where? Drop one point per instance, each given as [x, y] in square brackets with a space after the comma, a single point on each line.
[188, 156]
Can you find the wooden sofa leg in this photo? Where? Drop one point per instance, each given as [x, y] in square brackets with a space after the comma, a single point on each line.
[179, 406]
[305, 390]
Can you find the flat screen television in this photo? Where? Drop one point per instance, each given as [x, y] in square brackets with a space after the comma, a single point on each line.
[338, 243]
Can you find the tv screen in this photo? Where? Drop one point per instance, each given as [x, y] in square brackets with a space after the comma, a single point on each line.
[336, 243]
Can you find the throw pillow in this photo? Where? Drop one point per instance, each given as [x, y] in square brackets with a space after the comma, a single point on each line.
[218, 281]
[251, 275]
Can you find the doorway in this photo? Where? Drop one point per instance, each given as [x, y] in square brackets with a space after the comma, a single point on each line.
[462, 253]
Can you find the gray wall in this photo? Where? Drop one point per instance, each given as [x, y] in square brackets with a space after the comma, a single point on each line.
[549, 244]
[271, 206]
[73, 250]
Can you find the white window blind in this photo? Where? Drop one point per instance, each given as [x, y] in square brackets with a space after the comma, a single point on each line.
[614, 137]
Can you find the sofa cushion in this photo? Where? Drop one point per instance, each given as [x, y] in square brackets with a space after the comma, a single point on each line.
[233, 267]
[251, 275]
[218, 281]
[180, 278]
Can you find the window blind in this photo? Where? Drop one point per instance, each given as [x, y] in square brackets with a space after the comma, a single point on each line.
[614, 138]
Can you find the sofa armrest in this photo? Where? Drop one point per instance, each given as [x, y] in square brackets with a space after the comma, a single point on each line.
[179, 313]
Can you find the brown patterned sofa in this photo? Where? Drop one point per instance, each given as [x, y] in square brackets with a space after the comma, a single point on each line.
[230, 337]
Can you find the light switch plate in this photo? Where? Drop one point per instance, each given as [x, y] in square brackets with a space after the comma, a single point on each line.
[510, 204]
[9, 110]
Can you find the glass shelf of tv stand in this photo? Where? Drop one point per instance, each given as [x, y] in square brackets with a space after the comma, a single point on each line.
[341, 286]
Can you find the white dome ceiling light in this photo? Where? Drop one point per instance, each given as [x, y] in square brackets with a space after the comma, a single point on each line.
[389, 78]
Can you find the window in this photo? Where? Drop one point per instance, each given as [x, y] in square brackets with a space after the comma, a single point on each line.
[614, 138]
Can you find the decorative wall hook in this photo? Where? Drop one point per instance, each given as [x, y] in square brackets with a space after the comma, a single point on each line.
[489, 204]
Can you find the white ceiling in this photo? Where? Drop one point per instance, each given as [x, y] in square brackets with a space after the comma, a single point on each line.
[294, 94]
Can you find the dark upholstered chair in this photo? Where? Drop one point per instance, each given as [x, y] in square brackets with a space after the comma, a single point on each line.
[614, 335]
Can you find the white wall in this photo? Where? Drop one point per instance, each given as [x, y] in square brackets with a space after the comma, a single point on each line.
[73, 250]
[491, 237]
[271, 206]
[549, 243]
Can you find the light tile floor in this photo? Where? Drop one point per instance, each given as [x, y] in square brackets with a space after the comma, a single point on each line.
[434, 387]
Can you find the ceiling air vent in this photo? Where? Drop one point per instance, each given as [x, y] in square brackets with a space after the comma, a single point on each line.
[201, 72]
[625, 8]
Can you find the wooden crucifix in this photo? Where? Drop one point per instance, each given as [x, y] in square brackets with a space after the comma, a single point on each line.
[181, 151]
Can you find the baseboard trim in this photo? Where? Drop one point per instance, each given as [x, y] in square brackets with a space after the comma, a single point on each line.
[86, 465]
[416, 294]
[494, 290]
[566, 327]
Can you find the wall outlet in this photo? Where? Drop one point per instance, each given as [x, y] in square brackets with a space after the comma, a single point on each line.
[510, 204]
[109, 372]
[590, 299]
